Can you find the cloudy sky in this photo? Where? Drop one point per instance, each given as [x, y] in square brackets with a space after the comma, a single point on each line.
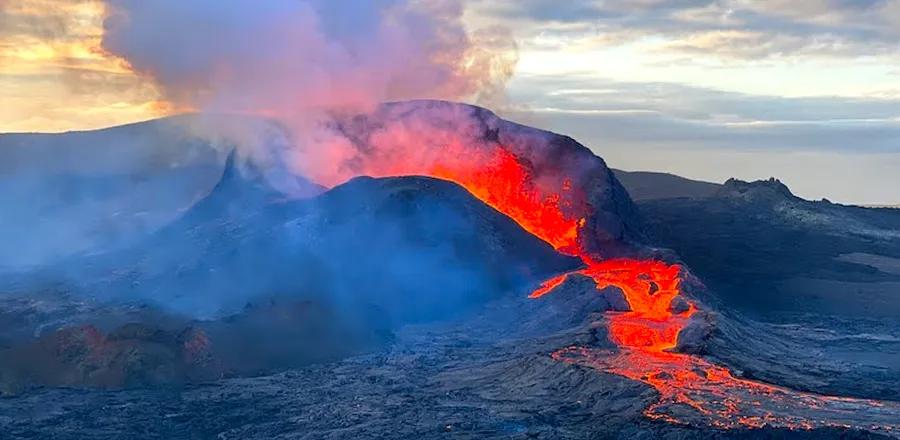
[804, 90]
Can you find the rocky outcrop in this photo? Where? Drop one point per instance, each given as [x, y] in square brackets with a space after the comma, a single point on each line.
[759, 190]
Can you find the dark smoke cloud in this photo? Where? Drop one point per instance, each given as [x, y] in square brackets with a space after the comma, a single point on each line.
[286, 58]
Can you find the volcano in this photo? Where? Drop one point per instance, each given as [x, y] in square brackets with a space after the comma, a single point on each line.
[524, 297]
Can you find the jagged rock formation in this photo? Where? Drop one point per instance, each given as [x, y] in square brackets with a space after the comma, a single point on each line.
[771, 189]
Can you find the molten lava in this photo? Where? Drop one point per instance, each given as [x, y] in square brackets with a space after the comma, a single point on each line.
[649, 287]
[504, 184]
[499, 180]
[646, 335]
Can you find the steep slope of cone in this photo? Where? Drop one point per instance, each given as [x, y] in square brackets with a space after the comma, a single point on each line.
[244, 241]
[550, 184]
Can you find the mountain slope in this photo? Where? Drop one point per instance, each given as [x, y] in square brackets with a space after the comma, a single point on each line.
[475, 147]
[94, 190]
[819, 279]
[420, 246]
[646, 185]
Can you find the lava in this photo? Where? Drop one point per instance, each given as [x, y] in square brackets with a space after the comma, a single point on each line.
[647, 334]
[693, 390]
[501, 181]
[649, 287]
[548, 286]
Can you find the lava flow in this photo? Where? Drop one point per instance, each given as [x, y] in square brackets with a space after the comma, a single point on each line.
[647, 335]
[499, 180]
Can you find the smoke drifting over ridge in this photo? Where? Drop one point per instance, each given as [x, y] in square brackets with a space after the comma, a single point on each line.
[303, 63]
[288, 58]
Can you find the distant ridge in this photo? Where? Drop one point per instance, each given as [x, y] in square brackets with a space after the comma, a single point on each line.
[647, 185]
[881, 206]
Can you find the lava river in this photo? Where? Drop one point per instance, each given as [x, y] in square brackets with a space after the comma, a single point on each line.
[691, 389]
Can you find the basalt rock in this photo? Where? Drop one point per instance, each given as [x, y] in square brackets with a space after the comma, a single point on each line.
[694, 337]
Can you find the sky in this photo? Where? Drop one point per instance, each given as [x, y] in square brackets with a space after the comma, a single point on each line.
[804, 90]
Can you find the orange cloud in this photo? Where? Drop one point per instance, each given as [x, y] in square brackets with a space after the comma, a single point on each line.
[55, 77]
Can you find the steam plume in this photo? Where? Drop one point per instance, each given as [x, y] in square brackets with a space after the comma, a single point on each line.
[287, 58]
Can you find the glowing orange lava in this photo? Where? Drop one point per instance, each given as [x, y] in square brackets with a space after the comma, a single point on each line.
[649, 287]
[717, 398]
[499, 180]
[645, 335]
[548, 286]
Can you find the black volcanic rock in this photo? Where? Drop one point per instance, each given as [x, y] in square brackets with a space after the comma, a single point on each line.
[283, 333]
[346, 267]
[816, 276]
[423, 246]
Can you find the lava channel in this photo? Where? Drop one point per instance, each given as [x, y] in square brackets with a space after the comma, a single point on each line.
[691, 389]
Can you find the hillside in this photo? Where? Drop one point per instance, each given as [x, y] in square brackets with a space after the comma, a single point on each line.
[646, 185]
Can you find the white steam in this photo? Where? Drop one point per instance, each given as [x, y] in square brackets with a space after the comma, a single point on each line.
[287, 58]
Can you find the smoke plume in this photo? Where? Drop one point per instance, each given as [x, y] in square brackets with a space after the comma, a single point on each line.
[288, 58]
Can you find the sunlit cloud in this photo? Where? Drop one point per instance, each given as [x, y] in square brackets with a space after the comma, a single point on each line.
[638, 80]
[55, 77]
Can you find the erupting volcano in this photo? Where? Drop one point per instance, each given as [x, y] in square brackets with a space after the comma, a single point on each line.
[546, 201]
[304, 219]
[425, 319]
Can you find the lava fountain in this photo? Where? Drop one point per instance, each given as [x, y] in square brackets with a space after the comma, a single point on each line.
[551, 203]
